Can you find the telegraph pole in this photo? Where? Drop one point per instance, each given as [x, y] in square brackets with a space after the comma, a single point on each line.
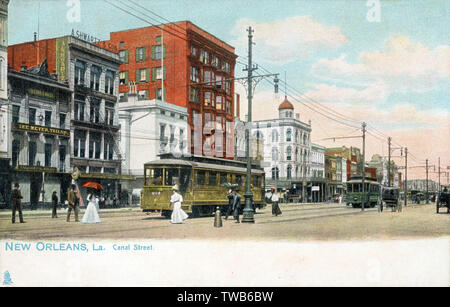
[439, 172]
[389, 161]
[363, 203]
[426, 195]
[406, 180]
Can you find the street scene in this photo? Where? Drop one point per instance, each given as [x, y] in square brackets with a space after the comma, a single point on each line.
[316, 122]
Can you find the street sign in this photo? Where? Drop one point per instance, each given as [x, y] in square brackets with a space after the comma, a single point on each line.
[315, 188]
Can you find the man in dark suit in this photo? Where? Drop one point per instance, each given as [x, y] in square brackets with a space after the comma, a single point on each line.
[236, 205]
[16, 199]
[54, 204]
[229, 208]
[73, 203]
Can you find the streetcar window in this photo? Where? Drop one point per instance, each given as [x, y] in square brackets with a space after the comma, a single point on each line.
[156, 176]
[349, 188]
[238, 180]
[223, 178]
[185, 179]
[212, 178]
[255, 181]
[356, 187]
[233, 179]
[243, 178]
[201, 177]
[171, 176]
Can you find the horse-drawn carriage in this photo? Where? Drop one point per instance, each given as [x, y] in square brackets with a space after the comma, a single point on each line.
[443, 200]
[390, 197]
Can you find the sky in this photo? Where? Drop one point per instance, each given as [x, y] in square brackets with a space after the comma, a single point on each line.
[384, 62]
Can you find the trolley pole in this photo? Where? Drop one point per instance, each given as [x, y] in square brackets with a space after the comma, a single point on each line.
[248, 216]
[363, 202]
[389, 162]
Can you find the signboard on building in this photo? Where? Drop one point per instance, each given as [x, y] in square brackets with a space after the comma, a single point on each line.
[42, 129]
[315, 188]
[38, 169]
[62, 58]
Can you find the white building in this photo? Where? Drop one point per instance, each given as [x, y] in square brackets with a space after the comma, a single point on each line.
[287, 150]
[149, 128]
[317, 173]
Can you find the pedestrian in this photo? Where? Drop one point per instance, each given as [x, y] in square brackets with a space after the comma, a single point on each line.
[16, 198]
[91, 214]
[73, 203]
[236, 205]
[178, 215]
[54, 204]
[115, 202]
[274, 199]
[230, 197]
[340, 199]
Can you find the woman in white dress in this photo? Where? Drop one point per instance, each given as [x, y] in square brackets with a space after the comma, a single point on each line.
[178, 215]
[91, 215]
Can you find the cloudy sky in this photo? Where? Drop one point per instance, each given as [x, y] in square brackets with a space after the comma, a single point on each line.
[383, 62]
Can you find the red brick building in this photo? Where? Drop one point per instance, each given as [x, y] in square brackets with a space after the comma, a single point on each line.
[195, 69]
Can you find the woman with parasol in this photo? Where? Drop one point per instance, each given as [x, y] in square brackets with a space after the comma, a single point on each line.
[91, 214]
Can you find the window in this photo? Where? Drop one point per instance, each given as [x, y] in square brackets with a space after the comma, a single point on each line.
[109, 82]
[62, 158]
[48, 155]
[182, 142]
[193, 51]
[142, 75]
[194, 94]
[212, 178]
[289, 172]
[123, 97]
[274, 135]
[143, 95]
[95, 77]
[228, 87]
[140, 54]
[226, 67]
[15, 114]
[162, 135]
[207, 99]
[289, 153]
[158, 73]
[80, 70]
[158, 39]
[158, 52]
[122, 44]
[159, 94]
[156, 176]
[123, 77]
[94, 146]
[94, 115]
[123, 55]
[195, 74]
[79, 110]
[275, 173]
[79, 144]
[219, 105]
[229, 107]
[208, 77]
[218, 84]
[32, 149]
[62, 121]
[108, 149]
[48, 118]
[274, 154]
[171, 176]
[15, 152]
[215, 61]
[109, 116]
[32, 116]
[204, 57]
[223, 178]
[288, 135]
[201, 177]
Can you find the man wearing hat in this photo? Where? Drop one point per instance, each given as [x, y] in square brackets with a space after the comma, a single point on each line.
[72, 199]
[230, 197]
[274, 200]
[236, 205]
[54, 204]
[16, 198]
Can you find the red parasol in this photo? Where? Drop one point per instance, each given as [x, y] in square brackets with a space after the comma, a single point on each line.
[94, 185]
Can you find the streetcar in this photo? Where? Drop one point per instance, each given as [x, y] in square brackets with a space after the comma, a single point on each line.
[202, 181]
[355, 196]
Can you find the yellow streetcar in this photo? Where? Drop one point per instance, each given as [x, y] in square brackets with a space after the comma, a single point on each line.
[202, 182]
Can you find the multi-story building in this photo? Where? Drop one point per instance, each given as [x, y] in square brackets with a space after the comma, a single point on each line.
[318, 187]
[287, 150]
[186, 66]
[149, 128]
[92, 73]
[40, 137]
[240, 143]
[4, 106]
[353, 158]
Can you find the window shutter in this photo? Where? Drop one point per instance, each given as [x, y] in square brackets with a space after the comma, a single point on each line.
[126, 56]
[164, 51]
[164, 72]
[126, 77]
[137, 55]
[164, 93]
[153, 74]
[137, 75]
[147, 74]
[153, 52]
[144, 55]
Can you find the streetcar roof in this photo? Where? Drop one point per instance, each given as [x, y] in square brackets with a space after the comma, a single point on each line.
[179, 162]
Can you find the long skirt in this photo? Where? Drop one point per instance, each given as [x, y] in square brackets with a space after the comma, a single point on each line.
[178, 215]
[275, 208]
[90, 215]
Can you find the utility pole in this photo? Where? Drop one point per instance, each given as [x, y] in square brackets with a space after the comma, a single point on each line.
[248, 210]
[363, 202]
[389, 161]
[426, 195]
[406, 180]
[439, 172]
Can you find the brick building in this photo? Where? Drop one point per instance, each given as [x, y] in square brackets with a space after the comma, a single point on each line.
[184, 65]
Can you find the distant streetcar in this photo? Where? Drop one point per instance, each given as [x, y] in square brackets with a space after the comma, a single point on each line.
[202, 182]
[355, 195]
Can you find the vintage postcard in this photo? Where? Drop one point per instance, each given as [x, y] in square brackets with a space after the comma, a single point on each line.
[207, 143]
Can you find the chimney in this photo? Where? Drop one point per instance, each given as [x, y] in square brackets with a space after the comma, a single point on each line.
[35, 36]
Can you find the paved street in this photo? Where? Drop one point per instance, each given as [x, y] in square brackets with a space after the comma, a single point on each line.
[298, 222]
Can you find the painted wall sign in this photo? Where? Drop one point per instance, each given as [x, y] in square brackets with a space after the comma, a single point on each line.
[42, 129]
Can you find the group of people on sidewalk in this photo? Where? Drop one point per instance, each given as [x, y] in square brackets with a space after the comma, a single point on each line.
[90, 215]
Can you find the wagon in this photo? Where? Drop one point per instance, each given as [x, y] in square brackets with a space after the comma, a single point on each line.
[443, 200]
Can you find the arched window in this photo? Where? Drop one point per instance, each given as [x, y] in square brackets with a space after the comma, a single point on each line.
[274, 154]
[275, 173]
[296, 135]
[296, 154]
[288, 135]
[289, 172]
[289, 153]
[304, 139]
[274, 135]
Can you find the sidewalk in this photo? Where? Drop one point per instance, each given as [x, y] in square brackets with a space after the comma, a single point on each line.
[42, 212]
